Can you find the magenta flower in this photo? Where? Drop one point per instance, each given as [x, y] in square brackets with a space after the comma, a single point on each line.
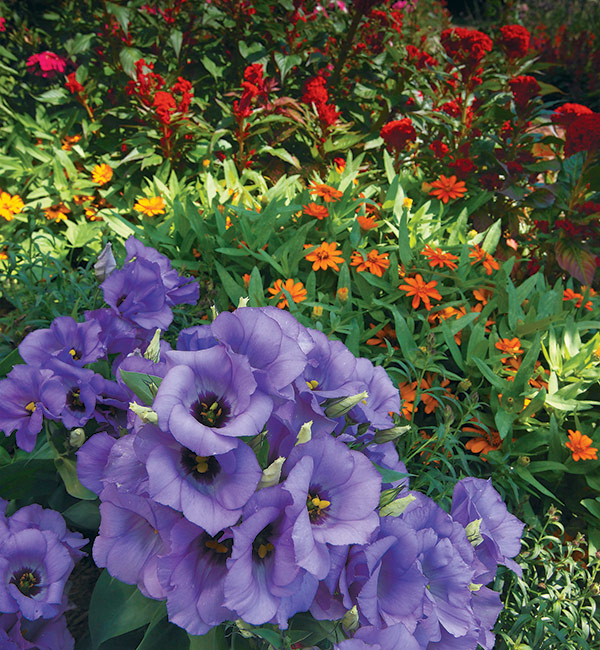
[46, 64]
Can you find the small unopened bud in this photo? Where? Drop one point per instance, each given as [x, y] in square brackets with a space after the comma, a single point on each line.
[350, 619]
[213, 312]
[407, 203]
[244, 628]
[475, 397]
[271, 474]
[472, 531]
[305, 433]
[338, 407]
[523, 461]
[243, 302]
[76, 437]
[397, 507]
[342, 294]
[317, 311]
[105, 264]
[145, 413]
[465, 384]
[153, 349]
[387, 435]
[474, 586]
[448, 415]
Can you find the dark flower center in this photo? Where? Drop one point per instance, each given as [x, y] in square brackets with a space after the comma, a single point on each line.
[316, 508]
[210, 410]
[74, 401]
[121, 300]
[27, 581]
[221, 548]
[202, 468]
[262, 547]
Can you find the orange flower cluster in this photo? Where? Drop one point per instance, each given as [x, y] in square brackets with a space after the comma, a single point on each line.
[510, 346]
[489, 263]
[367, 223]
[445, 314]
[383, 334]
[421, 290]
[326, 192]
[484, 441]
[315, 210]
[325, 256]
[150, 206]
[581, 446]
[408, 394]
[295, 289]
[569, 294]
[447, 188]
[57, 212]
[101, 174]
[375, 262]
[437, 257]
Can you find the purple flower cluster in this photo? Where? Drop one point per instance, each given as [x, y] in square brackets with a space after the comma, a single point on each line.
[56, 381]
[191, 515]
[37, 555]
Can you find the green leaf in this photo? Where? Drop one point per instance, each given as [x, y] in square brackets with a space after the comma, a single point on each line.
[176, 40]
[162, 634]
[67, 468]
[389, 475]
[286, 63]
[492, 237]
[128, 56]
[11, 359]
[213, 69]
[120, 13]
[593, 505]
[117, 608]
[144, 386]
[27, 479]
[577, 261]
[84, 514]
[488, 373]
[213, 640]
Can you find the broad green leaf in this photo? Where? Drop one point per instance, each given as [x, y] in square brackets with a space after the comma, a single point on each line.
[577, 261]
[67, 468]
[161, 634]
[144, 386]
[492, 237]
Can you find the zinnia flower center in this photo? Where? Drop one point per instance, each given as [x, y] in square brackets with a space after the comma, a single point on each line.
[202, 468]
[26, 581]
[210, 411]
[316, 507]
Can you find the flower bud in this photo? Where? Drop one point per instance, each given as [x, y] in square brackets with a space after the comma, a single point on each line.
[145, 413]
[350, 619]
[475, 586]
[472, 531]
[523, 461]
[338, 407]
[342, 294]
[213, 312]
[317, 311]
[305, 433]
[271, 474]
[243, 302]
[407, 203]
[387, 435]
[396, 507]
[76, 437]
[153, 350]
[105, 264]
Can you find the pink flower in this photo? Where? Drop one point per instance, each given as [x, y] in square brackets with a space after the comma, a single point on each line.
[2, 24]
[48, 62]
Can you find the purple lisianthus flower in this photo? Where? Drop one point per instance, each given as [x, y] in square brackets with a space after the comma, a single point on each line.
[193, 574]
[208, 399]
[112, 405]
[81, 386]
[34, 567]
[386, 456]
[210, 490]
[66, 340]
[136, 293]
[356, 644]
[178, 290]
[383, 396]
[335, 492]
[26, 396]
[134, 531]
[384, 579]
[18, 633]
[474, 499]
[92, 458]
[395, 637]
[117, 335]
[264, 583]
[34, 516]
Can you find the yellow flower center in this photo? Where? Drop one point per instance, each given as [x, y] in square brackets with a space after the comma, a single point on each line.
[312, 384]
[30, 407]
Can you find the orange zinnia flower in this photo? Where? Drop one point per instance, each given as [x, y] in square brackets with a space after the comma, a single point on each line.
[408, 393]
[482, 296]
[448, 188]
[484, 442]
[326, 192]
[325, 256]
[150, 207]
[367, 223]
[379, 338]
[69, 141]
[376, 263]
[569, 294]
[101, 174]
[489, 263]
[581, 446]
[57, 212]
[315, 210]
[421, 290]
[510, 346]
[445, 314]
[295, 289]
[437, 257]
[10, 205]
[513, 364]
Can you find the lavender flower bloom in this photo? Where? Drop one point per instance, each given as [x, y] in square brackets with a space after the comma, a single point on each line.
[210, 490]
[34, 567]
[17, 633]
[193, 574]
[178, 290]
[136, 293]
[67, 340]
[26, 396]
[356, 644]
[395, 637]
[133, 533]
[117, 336]
[210, 398]
[384, 579]
[335, 492]
[475, 498]
[92, 458]
[383, 396]
[263, 582]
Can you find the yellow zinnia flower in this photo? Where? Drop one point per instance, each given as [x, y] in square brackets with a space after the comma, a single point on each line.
[151, 206]
[102, 174]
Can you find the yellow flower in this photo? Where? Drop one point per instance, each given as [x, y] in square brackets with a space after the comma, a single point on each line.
[151, 206]
[10, 205]
[102, 174]
[57, 212]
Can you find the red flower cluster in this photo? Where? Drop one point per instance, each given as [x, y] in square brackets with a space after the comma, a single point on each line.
[566, 114]
[524, 88]
[466, 46]
[514, 41]
[450, 108]
[419, 58]
[46, 64]
[583, 134]
[462, 167]
[398, 134]
[315, 92]
[73, 85]
[373, 31]
[439, 148]
[254, 85]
